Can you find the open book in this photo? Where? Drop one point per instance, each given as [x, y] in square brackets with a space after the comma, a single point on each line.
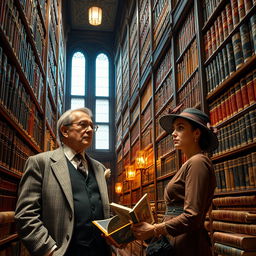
[118, 228]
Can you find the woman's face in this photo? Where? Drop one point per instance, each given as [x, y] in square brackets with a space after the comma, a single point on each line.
[184, 137]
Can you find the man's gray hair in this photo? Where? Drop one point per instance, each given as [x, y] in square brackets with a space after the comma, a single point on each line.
[67, 118]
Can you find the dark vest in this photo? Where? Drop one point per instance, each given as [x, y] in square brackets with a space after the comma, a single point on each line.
[87, 205]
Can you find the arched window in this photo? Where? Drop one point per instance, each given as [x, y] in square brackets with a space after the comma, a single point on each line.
[102, 102]
[78, 80]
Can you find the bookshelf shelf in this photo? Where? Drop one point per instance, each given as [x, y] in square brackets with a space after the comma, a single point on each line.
[30, 36]
[213, 15]
[236, 115]
[169, 175]
[10, 173]
[19, 129]
[183, 78]
[244, 68]
[235, 29]
[13, 58]
[236, 151]
[238, 192]
[8, 239]
[186, 48]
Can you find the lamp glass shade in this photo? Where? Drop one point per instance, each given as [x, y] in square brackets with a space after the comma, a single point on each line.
[130, 172]
[95, 15]
[118, 187]
[141, 159]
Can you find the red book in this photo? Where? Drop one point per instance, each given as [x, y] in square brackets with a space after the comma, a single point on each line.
[250, 89]
[244, 92]
[223, 108]
[254, 83]
[239, 101]
[233, 101]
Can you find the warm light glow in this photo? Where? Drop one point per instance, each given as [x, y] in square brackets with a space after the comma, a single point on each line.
[95, 15]
[141, 159]
[118, 187]
[130, 172]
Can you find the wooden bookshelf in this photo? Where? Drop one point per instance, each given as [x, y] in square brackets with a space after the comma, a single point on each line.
[32, 85]
[185, 67]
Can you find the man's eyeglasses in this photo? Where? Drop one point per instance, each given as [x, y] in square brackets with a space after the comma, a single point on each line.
[84, 125]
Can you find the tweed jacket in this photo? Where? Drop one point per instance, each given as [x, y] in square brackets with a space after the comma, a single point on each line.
[45, 211]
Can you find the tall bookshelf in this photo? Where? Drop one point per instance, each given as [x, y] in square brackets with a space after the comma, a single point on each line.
[32, 63]
[200, 54]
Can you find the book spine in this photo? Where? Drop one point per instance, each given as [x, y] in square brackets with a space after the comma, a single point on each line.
[238, 53]
[234, 227]
[227, 250]
[253, 31]
[246, 42]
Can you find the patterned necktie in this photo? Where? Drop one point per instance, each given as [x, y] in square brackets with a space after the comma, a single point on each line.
[80, 165]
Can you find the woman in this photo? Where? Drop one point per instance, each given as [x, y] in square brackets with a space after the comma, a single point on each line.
[189, 193]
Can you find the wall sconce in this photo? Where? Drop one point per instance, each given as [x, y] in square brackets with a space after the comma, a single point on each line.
[130, 172]
[141, 159]
[95, 15]
[118, 187]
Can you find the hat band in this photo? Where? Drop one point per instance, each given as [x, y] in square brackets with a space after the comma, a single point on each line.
[197, 119]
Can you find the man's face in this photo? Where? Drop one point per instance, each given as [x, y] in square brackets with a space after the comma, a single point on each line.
[79, 133]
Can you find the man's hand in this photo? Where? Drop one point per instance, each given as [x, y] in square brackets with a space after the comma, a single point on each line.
[107, 173]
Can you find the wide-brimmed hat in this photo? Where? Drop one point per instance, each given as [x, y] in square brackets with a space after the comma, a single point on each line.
[198, 117]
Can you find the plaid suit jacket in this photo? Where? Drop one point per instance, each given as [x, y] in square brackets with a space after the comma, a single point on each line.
[44, 211]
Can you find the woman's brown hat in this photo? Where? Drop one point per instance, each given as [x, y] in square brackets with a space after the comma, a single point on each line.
[198, 117]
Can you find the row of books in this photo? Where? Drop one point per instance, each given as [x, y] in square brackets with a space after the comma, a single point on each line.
[231, 57]
[236, 174]
[164, 93]
[133, 49]
[163, 69]
[160, 193]
[134, 148]
[20, 44]
[13, 151]
[224, 25]
[161, 11]
[125, 67]
[187, 64]
[166, 165]
[50, 115]
[186, 33]
[170, 105]
[238, 133]
[164, 146]
[144, 35]
[7, 202]
[190, 94]
[150, 190]
[147, 175]
[147, 137]
[234, 227]
[237, 98]
[135, 131]
[7, 185]
[146, 115]
[35, 80]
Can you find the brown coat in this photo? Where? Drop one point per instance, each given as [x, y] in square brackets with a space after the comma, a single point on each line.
[192, 186]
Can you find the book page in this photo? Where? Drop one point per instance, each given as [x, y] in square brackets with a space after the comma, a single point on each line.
[122, 211]
[116, 223]
[142, 210]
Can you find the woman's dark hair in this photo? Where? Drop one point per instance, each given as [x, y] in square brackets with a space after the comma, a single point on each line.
[203, 143]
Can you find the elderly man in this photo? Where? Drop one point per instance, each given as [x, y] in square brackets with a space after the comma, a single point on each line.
[62, 191]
